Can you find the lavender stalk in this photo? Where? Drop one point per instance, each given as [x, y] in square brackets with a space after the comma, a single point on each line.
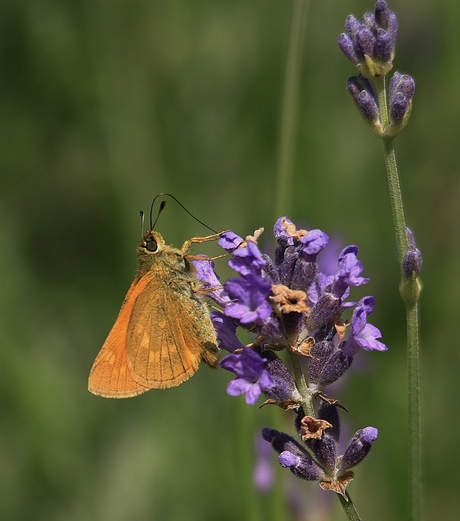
[370, 45]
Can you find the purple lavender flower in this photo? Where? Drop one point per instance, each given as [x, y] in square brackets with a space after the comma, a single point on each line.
[328, 304]
[348, 273]
[211, 282]
[313, 242]
[363, 335]
[326, 466]
[370, 44]
[249, 296]
[247, 260]
[251, 377]
[289, 304]
[229, 241]
[226, 332]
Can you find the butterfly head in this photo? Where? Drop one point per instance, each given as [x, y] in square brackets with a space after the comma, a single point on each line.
[151, 243]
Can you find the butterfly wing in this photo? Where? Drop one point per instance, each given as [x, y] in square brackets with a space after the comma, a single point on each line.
[110, 376]
[169, 334]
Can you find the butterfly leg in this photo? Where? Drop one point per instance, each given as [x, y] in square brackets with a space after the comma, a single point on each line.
[198, 240]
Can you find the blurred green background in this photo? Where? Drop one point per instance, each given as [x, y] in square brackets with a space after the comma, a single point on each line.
[103, 105]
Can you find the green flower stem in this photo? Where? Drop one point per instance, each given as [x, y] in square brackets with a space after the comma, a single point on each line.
[413, 363]
[289, 108]
[301, 384]
[413, 376]
[397, 207]
[349, 508]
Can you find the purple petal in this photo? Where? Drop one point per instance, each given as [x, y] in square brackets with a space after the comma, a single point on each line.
[250, 294]
[252, 394]
[281, 235]
[247, 260]
[205, 272]
[226, 332]
[229, 241]
[314, 242]
[363, 335]
[238, 386]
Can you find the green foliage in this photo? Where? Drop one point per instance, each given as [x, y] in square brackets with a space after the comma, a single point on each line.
[105, 104]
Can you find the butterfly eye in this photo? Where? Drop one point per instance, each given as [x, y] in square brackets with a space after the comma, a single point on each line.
[151, 245]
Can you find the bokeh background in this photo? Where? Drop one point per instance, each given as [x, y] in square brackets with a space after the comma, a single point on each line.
[104, 104]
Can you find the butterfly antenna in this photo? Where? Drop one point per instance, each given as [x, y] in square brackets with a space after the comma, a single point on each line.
[162, 205]
[142, 216]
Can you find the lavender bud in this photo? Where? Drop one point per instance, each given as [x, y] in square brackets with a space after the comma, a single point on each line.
[386, 18]
[413, 259]
[358, 448]
[364, 101]
[406, 85]
[365, 41]
[324, 311]
[364, 97]
[352, 25]
[411, 287]
[325, 451]
[382, 13]
[402, 90]
[335, 367]
[330, 413]
[394, 82]
[287, 265]
[346, 46]
[270, 271]
[320, 354]
[384, 46]
[283, 389]
[301, 467]
[398, 108]
[369, 21]
[292, 455]
[281, 441]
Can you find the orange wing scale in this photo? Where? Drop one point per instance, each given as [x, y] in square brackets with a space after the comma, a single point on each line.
[164, 345]
[110, 376]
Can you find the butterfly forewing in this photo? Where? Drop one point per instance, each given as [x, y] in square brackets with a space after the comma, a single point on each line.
[166, 341]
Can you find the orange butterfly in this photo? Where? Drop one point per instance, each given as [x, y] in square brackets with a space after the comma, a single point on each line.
[163, 330]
